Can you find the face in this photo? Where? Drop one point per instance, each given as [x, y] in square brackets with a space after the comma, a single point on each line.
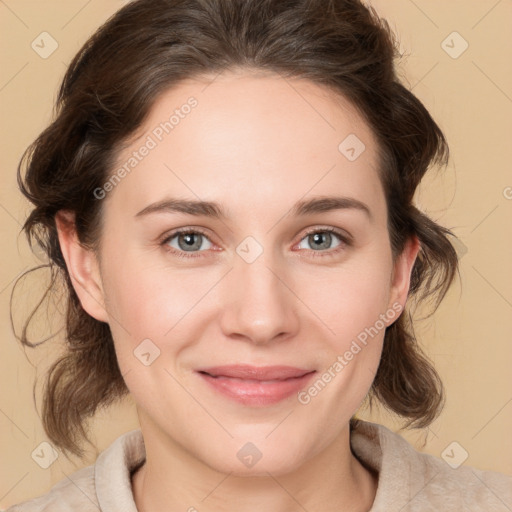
[280, 275]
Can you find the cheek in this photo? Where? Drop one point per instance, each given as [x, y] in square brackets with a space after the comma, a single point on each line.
[145, 302]
[353, 300]
[145, 293]
[351, 352]
[354, 308]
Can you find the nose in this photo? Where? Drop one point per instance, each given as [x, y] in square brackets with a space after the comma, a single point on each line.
[259, 304]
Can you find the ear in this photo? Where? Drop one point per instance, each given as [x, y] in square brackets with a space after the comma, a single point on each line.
[401, 276]
[82, 266]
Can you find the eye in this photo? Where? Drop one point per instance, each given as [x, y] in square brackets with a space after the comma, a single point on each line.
[320, 239]
[188, 241]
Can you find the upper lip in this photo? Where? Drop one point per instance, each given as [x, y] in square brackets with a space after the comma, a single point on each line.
[243, 371]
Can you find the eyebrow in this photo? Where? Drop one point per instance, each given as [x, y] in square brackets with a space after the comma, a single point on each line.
[214, 210]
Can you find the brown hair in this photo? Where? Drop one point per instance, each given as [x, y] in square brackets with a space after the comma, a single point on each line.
[149, 46]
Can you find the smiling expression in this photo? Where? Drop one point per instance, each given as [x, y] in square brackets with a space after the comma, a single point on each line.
[247, 235]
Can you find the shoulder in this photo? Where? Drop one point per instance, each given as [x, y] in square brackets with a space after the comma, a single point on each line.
[105, 485]
[410, 480]
[76, 492]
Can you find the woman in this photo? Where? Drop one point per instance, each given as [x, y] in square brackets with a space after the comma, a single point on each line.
[227, 192]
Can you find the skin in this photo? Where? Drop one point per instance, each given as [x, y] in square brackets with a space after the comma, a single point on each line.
[256, 144]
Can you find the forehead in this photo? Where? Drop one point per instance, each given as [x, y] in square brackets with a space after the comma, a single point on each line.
[249, 137]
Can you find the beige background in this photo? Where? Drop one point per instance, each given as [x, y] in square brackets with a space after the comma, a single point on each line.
[468, 338]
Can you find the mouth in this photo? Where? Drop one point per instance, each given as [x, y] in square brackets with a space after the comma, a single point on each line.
[256, 386]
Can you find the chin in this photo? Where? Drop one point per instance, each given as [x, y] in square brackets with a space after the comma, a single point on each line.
[249, 461]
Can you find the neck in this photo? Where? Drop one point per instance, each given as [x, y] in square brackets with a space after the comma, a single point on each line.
[173, 479]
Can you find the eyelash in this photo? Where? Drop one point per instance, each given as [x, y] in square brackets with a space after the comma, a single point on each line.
[345, 242]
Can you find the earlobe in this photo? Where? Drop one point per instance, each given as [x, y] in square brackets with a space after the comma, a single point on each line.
[401, 276]
[82, 267]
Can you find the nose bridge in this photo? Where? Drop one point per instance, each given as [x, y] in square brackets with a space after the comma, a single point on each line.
[259, 306]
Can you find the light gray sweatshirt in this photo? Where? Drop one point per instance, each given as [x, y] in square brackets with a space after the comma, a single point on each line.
[409, 481]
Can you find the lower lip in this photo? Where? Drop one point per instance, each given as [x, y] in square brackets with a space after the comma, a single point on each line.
[255, 392]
